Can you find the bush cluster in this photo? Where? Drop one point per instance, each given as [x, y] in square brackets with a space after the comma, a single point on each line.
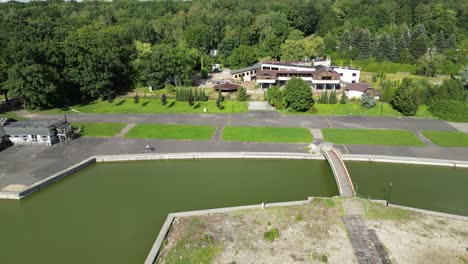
[450, 110]
[191, 94]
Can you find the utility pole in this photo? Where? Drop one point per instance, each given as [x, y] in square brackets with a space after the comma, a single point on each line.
[388, 193]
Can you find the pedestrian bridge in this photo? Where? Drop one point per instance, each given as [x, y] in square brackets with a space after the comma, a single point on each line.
[342, 178]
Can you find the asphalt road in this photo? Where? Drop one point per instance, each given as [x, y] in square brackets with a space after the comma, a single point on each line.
[263, 119]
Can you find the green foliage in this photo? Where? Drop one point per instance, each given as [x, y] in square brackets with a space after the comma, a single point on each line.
[271, 235]
[368, 100]
[220, 96]
[324, 97]
[98, 129]
[406, 98]
[447, 138]
[58, 52]
[371, 137]
[332, 99]
[450, 110]
[266, 134]
[170, 131]
[274, 96]
[242, 94]
[343, 99]
[163, 99]
[298, 95]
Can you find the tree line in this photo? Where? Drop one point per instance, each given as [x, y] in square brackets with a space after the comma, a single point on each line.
[55, 53]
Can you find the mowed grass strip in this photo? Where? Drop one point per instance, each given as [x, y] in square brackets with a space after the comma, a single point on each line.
[447, 138]
[170, 131]
[371, 137]
[267, 134]
[147, 105]
[99, 129]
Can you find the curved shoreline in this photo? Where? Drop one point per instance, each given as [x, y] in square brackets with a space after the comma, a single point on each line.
[17, 195]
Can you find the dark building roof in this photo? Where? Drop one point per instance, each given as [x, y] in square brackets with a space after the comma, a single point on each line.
[32, 128]
[362, 87]
[227, 87]
[359, 86]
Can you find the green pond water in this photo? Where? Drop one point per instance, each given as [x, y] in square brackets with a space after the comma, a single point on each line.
[112, 212]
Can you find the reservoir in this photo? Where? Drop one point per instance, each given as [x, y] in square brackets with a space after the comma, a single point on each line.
[112, 212]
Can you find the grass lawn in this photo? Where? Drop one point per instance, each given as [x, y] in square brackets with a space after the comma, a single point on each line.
[168, 131]
[355, 109]
[447, 138]
[99, 129]
[127, 106]
[13, 116]
[371, 137]
[267, 134]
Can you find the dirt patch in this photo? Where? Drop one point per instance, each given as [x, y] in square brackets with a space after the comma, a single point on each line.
[424, 239]
[14, 188]
[307, 234]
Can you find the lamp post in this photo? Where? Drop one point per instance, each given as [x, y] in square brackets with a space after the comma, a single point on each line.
[388, 193]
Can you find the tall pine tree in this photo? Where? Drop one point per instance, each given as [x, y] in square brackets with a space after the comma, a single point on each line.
[364, 44]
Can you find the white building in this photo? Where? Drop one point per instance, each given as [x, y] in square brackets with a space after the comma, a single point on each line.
[356, 90]
[320, 76]
[278, 73]
[348, 74]
[37, 133]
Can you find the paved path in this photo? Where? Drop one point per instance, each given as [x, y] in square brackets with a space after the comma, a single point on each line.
[342, 178]
[367, 246]
[264, 119]
[125, 130]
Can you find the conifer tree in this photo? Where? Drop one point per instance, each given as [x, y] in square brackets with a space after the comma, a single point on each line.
[332, 99]
[346, 41]
[343, 99]
[196, 96]
[163, 99]
[364, 44]
[439, 41]
[419, 46]
[452, 42]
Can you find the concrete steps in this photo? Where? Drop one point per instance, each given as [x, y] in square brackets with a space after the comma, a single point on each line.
[353, 207]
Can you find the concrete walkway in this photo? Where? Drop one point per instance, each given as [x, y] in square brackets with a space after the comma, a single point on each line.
[125, 130]
[342, 178]
[264, 118]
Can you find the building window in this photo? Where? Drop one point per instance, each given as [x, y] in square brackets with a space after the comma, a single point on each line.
[341, 74]
[354, 74]
[34, 138]
[353, 81]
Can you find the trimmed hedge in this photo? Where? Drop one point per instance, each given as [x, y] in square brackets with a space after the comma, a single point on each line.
[450, 110]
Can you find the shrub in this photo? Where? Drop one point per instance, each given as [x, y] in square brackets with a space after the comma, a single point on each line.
[136, 99]
[324, 97]
[191, 100]
[164, 99]
[450, 110]
[405, 99]
[332, 99]
[343, 99]
[218, 105]
[242, 94]
[220, 96]
[204, 73]
[271, 235]
[274, 96]
[298, 95]
[170, 88]
[368, 100]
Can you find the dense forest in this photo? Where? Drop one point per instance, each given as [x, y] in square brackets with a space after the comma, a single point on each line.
[55, 52]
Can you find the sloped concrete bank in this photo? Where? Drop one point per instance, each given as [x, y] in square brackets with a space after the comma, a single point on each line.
[219, 155]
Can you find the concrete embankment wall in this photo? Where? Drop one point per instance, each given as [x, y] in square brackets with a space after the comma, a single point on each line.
[406, 160]
[155, 249]
[220, 155]
[45, 182]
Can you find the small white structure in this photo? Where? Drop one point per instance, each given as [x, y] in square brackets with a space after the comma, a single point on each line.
[213, 52]
[348, 74]
[356, 90]
[37, 133]
[216, 67]
[323, 62]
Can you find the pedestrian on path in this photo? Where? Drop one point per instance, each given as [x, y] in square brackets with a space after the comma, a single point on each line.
[147, 147]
